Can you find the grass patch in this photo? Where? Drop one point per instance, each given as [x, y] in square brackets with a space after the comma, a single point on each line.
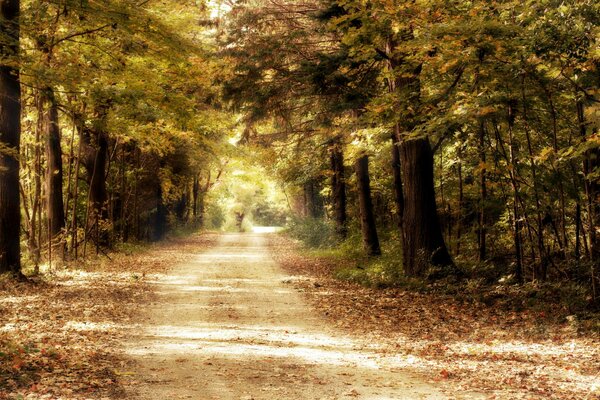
[314, 233]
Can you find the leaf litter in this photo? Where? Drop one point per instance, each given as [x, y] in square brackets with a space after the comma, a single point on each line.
[61, 333]
[461, 345]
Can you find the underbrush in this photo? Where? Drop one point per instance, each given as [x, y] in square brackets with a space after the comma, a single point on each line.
[314, 233]
[482, 283]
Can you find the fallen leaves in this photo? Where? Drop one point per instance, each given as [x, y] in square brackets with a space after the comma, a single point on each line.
[60, 335]
[460, 345]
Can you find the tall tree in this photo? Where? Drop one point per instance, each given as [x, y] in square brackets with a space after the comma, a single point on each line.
[367, 215]
[10, 133]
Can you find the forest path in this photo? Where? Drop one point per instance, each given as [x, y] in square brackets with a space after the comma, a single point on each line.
[227, 326]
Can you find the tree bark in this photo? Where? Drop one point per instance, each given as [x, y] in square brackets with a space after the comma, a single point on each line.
[95, 160]
[313, 204]
[482, 218]
[393, 85]
[422, 240]
[160, 223]
[591, 164]
[397, 175]
[367, 216]
[513, 167]
[461, 201]
[195, 192]
[338, 188]
[95, 164]
[423, 243]
[10, 136]
[54, 172]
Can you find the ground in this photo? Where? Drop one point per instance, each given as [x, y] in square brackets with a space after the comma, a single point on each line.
[226, 325]
[250, 316]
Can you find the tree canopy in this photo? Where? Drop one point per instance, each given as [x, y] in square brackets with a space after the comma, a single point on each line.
[462, 132]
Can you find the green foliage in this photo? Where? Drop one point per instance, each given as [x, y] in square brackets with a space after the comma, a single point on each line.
[313, 232]
[215, 216]
[378, 272]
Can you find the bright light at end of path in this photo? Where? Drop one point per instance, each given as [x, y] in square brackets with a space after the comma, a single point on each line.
[266, 229]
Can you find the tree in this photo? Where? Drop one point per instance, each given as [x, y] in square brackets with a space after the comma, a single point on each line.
[10, 132]
[367, 217]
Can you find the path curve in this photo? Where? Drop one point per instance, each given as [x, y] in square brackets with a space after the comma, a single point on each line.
[228, 325]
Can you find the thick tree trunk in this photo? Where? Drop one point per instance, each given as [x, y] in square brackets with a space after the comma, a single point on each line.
[54, 172]
[338, 189]
[10, 136]
[422, 240]
[423, 243]
[367, 217]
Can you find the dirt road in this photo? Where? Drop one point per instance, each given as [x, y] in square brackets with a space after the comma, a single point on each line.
[227, 326]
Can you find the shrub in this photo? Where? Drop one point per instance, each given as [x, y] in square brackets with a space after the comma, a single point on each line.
[313, 232]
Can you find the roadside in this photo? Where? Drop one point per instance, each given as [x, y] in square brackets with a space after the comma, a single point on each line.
[460, 345]
[61, 333]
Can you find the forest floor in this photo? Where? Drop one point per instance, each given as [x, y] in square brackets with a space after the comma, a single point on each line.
[460, 345]
[62, 333]
[248, 316]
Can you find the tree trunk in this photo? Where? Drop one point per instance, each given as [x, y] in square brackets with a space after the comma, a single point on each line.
[160, 224]
[543, 258]
[195, 192]
[422, 240]
[461, 201]
[95, 161]
[54, 172]
[423, 243]
[397, 174]
[338, 188]
[181, 206]
[10, 136]
[591, 164]
[201, 211]
[393, 85]
[513, 167]
[367, 217]
[482, 231]
[312, 199]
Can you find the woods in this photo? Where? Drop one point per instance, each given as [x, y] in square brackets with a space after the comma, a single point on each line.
[467, 133]
[434, 166]
[116, 126]
[491, 108]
